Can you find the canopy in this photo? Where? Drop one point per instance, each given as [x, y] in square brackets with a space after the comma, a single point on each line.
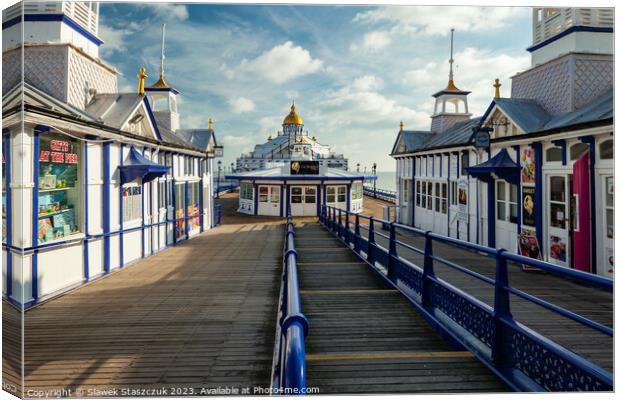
[501, 165]
[137, 166]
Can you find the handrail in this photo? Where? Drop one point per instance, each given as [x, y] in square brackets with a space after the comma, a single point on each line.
[383, 194]
[522, 358]
[289, 371]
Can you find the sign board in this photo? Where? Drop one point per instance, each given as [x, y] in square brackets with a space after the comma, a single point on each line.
[528, 205]
[218, 151]
[305, 168]
[463, 210]
[482, 139]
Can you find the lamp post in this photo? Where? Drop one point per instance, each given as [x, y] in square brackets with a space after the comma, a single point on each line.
[374, 182]
[219, 171]
[358, 167]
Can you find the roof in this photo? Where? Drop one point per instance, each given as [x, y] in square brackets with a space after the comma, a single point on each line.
[114, 109]
[600, 109]
[526, 113]
[501, 165]
[197, 137]
[277, 174]
[459, 134]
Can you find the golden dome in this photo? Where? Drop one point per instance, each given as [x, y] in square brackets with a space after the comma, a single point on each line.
[293, 118]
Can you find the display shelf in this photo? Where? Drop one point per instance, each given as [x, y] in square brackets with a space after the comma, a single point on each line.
[55, 189]
[54, 213]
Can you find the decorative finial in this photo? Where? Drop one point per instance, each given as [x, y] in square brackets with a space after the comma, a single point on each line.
[161, 61]
[269, 137]
[314, 138]
[497, 86]
[402, 126]
[141, 77]
[210, 123]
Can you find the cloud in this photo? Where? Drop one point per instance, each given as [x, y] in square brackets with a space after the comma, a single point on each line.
[476, 70]
[280, 64]
[429, 20]
[234, 140]
[240, 105]
[366, 83]
[374, 41]
[169, 11]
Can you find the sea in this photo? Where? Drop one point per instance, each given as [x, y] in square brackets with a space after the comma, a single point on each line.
[386, 180]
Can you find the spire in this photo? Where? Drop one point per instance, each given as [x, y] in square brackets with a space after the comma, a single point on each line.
[141, 77]
[402, 126]
[451, 61]
[162, 57]
[497, 86]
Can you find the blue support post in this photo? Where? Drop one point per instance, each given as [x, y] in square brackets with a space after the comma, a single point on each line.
[186, 210]
[501, 305]
[393, 256]
[201, 206]
[35, 209]
[356, 243]
[9, 210]
[86, 254]
[142, 235]
[106, 207]
[428, 270]
[346, 228]
[371, 241]
[413, 190]
[255, 186]
[518, 150]
[174, 202]
[340, 230]
[491, 212]
[120, 214]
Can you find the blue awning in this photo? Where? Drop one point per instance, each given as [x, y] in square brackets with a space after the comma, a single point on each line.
[137, 166]
[501, 165]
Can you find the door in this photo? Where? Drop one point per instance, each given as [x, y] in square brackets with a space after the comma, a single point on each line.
[557, 239]
[580, 214]
[303, 201]
[336, 196]
[269, 200]
[506, 215]
[606, 262]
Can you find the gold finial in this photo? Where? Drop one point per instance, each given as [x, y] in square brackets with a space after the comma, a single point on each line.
[402, 126]
[314, 138]
[269, 137]
[141, 76]
[496, 86]
[210, 123]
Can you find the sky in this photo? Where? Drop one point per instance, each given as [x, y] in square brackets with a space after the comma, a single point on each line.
[354, 72]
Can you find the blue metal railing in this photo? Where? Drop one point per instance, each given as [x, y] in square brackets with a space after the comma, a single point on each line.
[524, 359]
[382, 194]
[225, 188]
[289, 366]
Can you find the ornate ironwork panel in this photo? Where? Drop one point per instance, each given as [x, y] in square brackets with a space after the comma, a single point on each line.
[545, 367]
[468, 315]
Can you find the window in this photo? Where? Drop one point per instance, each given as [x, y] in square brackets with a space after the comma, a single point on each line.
[60, 195]
[162, 193]
[453, 193]
[423, 194]
[193, 208]
[310, 197]
[437, 196]
[246, 191]
[179, 210]
[405, 190]
[606, 150]
[444, 198]
[275, 194]
[417, 193]
[464, 163]
[506, 202]
[263, 194]
[557, 200]
[429, 200]
[132, 202]
[577, 150]
[554, 154]
[331, 194]
[342, 194]
[609, 206]
[296, 194]
[357, 191]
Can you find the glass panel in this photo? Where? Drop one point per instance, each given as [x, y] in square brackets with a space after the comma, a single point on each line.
[310, 199]
[609, 191]
[342, 198]
[444, 190]
[577, 150]
[331, 190]
[437, 202]
[423, 187]
[501, 211]
[513, 213]
[444, 206]
[263, 190]
[310, 190]
[557, 188]
[554, 154]
[558, 215]
[437, 189]
[513, 193]
[275, 194]
[296, 199]
[609, 217]
[501, 191]
[295, 190]
[607, 150]
[430, 188]
[423, 200]
[263, 198]
[60, 195]
[342, 190]
[331, 198]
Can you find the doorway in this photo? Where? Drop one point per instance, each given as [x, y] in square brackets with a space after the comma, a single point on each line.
[269, 200]
[303, 201]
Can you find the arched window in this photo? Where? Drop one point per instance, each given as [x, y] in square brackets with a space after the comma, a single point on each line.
[554, 154]
[606, 150]
[577, 150]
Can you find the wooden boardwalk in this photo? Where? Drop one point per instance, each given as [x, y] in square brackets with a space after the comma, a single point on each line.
[591, 303]
[365, 337]
[199, 315]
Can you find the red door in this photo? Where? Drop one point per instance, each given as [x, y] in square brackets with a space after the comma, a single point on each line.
[581, 211]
